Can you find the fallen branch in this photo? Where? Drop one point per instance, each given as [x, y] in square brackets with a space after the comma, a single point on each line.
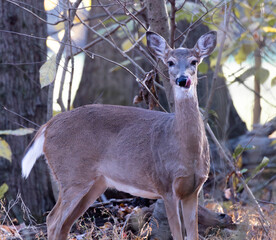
[229, 161]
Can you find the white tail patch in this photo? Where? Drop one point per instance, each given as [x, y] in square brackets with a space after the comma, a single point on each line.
[34, 152]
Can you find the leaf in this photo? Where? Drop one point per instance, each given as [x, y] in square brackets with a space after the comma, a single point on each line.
[273, 82]
[3, 189]
[237, 13]
[203, 68]
[127, 44]
[5, 150]
[272, 143]
[243, 52]
[17, 132]
[244, 170]
[48, 71]
[238, 150]
[269, 29]
[262, 75]
[248, 73]
[239, 161]
[213, 113]
[262, 165]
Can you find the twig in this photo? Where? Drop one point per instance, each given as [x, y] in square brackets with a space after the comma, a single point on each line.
[111, 201]
[252, 90]
[16, 114]
[131, 14]
[108, 33]
[31, 12]
[58, 58]
[59, 100]
[126, 56]
[154, 98]
[173, 25]
[136, 43]
[217, 68]
[266, 202]
[72, 57]
[7, 216]
[197, 21]
[113, 45]
[92, 55]
[229, 160]
[125, 223]
[265, 184]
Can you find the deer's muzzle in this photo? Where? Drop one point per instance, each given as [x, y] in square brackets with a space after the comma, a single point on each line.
[183, 81]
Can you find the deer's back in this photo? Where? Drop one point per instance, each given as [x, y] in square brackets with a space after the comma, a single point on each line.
[105, 139]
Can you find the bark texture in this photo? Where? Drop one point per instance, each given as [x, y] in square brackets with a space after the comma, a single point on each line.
[257, 87]
[20, 92]
[158, 20]
[99, 84]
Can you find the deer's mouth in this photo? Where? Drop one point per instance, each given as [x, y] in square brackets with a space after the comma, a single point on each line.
[183, 81]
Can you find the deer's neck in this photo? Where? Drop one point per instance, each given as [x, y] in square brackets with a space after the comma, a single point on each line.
[189, 125]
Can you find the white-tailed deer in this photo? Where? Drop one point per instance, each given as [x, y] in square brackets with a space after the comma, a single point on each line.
[145, 153]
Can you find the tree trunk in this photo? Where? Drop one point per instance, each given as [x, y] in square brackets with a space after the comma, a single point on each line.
[99, 84]
[257, 87]
[20, 92]
[158, 20]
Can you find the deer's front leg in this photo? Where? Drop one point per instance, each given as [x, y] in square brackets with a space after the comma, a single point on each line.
[172, 210]
[190, 215]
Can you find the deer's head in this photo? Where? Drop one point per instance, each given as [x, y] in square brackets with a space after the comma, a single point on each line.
[182, 62]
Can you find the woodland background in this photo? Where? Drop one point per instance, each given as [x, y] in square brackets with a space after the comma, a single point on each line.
[56, 55]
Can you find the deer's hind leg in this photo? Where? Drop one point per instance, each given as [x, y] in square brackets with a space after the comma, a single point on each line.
[172, 211]
[71, 204]
[189, 206]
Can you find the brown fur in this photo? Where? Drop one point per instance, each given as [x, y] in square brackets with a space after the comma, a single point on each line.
[147, 153]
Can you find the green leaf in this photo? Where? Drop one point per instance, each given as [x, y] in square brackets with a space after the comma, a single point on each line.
[237, 13]
[240, 149]
[243, 52]
[213, 113]
[203, 68]
[244, 170]
[273, 82]
[272, 143]
[5, 150]
[248, 73]
[262, 165]
[262, 75]
[47, 72]
[3, 189]
[17, 132]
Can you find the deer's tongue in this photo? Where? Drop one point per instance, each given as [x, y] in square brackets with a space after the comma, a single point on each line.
[188, 83]
[184, 82]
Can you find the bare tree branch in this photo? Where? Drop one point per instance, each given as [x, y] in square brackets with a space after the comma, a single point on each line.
[217, 68]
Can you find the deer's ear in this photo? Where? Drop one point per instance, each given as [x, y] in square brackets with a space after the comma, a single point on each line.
[206, 44]
[158, 46]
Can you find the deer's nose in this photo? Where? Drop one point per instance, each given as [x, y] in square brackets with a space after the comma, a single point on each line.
[183, 81]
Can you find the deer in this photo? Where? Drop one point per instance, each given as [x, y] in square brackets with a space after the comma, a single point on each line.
[146, 153]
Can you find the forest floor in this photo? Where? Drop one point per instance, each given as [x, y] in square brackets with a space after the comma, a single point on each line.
[122, 220]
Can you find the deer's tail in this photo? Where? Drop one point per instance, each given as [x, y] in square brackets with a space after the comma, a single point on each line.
[34, 151]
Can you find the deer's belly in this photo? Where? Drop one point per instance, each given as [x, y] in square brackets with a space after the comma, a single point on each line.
[131, 189]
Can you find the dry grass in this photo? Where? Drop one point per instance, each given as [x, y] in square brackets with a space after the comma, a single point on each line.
[119, 225]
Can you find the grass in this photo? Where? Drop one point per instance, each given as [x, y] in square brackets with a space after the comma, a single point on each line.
[125, 222]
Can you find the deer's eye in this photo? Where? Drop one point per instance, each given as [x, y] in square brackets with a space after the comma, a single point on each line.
[170, 63]
[194, 62]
